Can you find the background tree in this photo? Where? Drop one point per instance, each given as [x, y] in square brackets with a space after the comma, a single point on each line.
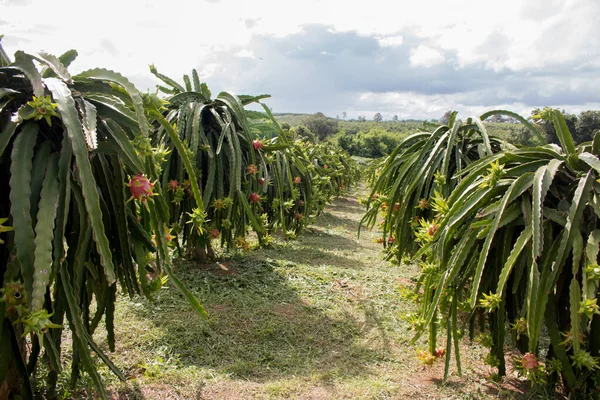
[374, 143]
[395, 118]
[344, 115]
[322, 126]
[522, 136]
[378, 117]
[548, 126]
[587, 124]
[348, 142]
[445, 118]
[351, 129]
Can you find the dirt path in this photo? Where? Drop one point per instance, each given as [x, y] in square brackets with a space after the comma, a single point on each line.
[321, 317]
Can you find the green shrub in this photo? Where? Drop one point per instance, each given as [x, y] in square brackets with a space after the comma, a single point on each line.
[372, 144]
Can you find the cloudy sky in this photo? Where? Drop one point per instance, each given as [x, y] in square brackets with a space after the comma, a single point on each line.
[414, 59]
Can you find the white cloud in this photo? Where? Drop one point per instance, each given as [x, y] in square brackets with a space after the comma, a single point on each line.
[533, 30]
[391, 41]
[421, 106]
[555, 39]
[425, 56]
[245, 53]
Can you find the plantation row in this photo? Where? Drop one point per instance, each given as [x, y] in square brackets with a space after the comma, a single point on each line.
[100, 184]
[508, 240]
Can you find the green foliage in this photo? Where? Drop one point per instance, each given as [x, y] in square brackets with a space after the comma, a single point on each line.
[582, 127]
[301, 132]
[587, 125]
[66, 155]
[400, 127]
[322, 126]
[372, 144]
[405, 182]
[349, 132]
[515, 133]
[516, 244]
[373, 140]
[98, 180]
[252, 174]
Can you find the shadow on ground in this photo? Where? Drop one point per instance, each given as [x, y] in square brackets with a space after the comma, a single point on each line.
[318, 257]
[329, 220]
[349, 205]
[259, 327]
[276, 316]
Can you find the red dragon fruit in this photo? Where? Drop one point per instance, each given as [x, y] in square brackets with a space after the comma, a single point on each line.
[530, 361]
[254, 197]
[440, 352]
[173, 185]
[140, 186]
[257, 144]
[432, 229]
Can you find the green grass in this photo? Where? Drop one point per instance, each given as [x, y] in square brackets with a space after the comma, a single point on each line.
[320, 317]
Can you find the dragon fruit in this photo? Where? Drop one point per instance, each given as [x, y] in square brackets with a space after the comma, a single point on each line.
[173, 185]
[252, 169]
[254, 197]
[257, 144]
[140, 186]
[529, 361]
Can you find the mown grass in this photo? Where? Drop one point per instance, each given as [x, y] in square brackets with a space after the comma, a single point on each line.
[316, 318]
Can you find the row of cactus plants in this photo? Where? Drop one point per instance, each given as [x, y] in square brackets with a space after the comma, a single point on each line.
[508, 240]
[66, 154]
[97, 180]
[251, 174]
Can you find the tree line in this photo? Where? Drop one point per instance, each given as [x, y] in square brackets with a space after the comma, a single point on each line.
[376, 138]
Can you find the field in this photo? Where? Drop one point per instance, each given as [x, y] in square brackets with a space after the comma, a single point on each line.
[404, 127]
[316, 318]
[375, 139]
